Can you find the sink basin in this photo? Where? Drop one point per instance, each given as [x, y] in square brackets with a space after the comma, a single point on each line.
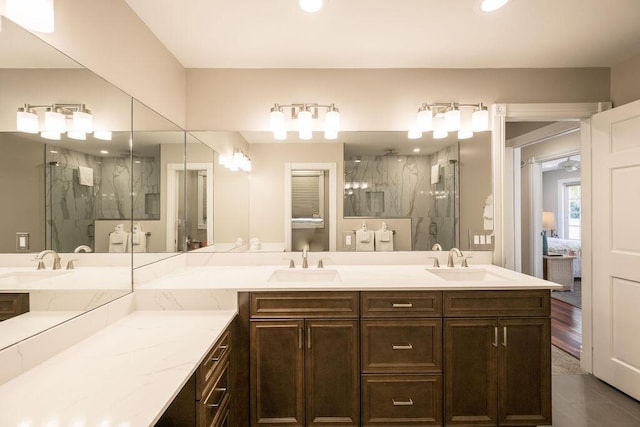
[30, 275]
[466, 274]
[296, 275]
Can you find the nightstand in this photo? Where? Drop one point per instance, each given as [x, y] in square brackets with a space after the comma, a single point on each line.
[559, 269]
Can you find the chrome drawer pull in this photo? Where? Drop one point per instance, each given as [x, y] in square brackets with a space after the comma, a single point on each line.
[402, 346]
[402, 402]
[495, 337]
[219, 402]
[217, 358]
[504, 336]
[402, 305]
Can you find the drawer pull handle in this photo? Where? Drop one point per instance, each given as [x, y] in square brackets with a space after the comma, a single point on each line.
[402, 346]
[402, 402]
[217, 358]
[504, 336]
[495, 337]
[402, 305]
[219, 402]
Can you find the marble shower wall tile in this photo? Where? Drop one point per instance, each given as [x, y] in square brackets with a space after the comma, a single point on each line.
[400, 186]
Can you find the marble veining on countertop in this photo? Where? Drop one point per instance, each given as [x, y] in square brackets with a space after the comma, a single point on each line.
[126, 374]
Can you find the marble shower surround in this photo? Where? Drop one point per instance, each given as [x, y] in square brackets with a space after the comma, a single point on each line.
[405, 185]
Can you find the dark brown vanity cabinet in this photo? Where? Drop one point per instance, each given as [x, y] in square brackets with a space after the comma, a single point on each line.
[304, 359]
[497, 358]
[401, 358]
[13, 304]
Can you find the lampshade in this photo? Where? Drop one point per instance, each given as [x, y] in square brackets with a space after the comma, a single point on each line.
[276, 120]
[34, 15]
[74, 134]
[82, 121]
[50, 135]
[466, 130]
[332, 124]
[548, 220]
[26, 121]
[54, 122]
[480, 119]
[304, 124]
[452, 119]
[311, 6]
[425, 119]
[439, 126]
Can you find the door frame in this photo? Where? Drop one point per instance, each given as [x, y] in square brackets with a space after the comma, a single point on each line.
[504, 253]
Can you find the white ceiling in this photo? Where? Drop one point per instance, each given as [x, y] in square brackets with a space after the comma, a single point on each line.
[394, 33]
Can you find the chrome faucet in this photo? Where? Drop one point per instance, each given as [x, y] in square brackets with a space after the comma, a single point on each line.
[436, 247]
[450, 258]
[83, 248]
[305, 264]
[56, 259]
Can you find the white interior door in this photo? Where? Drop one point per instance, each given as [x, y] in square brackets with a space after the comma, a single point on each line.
[616, 247]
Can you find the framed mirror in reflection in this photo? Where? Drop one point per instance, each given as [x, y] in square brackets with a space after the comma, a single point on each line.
[59, 187]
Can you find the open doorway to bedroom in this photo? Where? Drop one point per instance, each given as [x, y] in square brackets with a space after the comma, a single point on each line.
[550, 208]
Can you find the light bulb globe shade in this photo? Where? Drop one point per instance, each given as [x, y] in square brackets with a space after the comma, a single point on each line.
[304, 124]
[330, 134]
[465, 134]
[54, 122]
[440, 134]
[425, 120]
[480, 120]
[311, 6]
[27, 122]
[276, 120]
[74, 134]
[439, 126]
[104, 135]
[222, 160]
[332, 121]
[280, 134]
[452, 120]
[466, 120]
[34, 15]
[50, 135]
[414, 133]
[82, 121]
[491, 5]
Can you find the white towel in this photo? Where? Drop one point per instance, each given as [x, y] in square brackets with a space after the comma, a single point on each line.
[384, 240]
[85, 176]
[435, 174]
[118, 241]
[364, 242]
[139, 241]
[487, 213]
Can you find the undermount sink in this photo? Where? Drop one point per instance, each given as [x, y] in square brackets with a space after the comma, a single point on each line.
[466, 274]
[304, 275]
[30, 276]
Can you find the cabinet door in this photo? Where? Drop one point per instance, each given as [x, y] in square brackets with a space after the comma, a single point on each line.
[524, 373]
[471, 371]
[277, 369]
[332, 373]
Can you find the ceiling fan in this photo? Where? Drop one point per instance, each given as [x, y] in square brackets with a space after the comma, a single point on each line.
[570, 165]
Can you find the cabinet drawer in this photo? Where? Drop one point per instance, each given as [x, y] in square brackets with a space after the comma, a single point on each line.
[214, 361]
[497, 303]
[214, 408]
[401, 304]
[402, 400]
[411, 346]
[13, 304]
[304, 304]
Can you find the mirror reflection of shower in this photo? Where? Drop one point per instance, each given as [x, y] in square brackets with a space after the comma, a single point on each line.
[309, 210]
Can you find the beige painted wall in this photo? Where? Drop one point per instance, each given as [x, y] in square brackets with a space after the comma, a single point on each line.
[475, 183]
[107, 37]
[22, 186]
[625, 84]
[374, 99]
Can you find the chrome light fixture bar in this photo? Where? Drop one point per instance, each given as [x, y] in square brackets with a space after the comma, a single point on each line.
[75, 119]
[445, 117]
[304, 114]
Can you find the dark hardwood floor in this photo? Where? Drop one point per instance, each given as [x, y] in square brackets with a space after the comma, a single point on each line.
[566, 327]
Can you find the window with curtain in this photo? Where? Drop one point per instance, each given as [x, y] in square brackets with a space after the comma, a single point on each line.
[572, 211]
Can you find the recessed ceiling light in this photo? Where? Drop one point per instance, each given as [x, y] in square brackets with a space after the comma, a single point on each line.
[311, 6]
[491, 5]
[416, 150]
[104, 152]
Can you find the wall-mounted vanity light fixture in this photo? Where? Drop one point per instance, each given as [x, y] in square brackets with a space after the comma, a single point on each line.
[445, 117]
[304, 114]
[74, 119]
[34, 15]
[239, 161]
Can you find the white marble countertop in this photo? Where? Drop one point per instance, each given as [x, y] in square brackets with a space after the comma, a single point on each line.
[343, 277]
[124, 375]
[18, 328]
[24, 279]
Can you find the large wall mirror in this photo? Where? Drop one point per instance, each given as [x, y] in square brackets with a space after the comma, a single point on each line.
[60, 189]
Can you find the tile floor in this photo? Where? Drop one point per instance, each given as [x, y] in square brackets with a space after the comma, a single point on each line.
[585, 401]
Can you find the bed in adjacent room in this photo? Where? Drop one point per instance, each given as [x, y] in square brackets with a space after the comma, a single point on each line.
[567, 247]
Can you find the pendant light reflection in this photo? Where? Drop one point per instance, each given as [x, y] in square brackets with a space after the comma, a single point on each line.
[445, 117]
[303, 115]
